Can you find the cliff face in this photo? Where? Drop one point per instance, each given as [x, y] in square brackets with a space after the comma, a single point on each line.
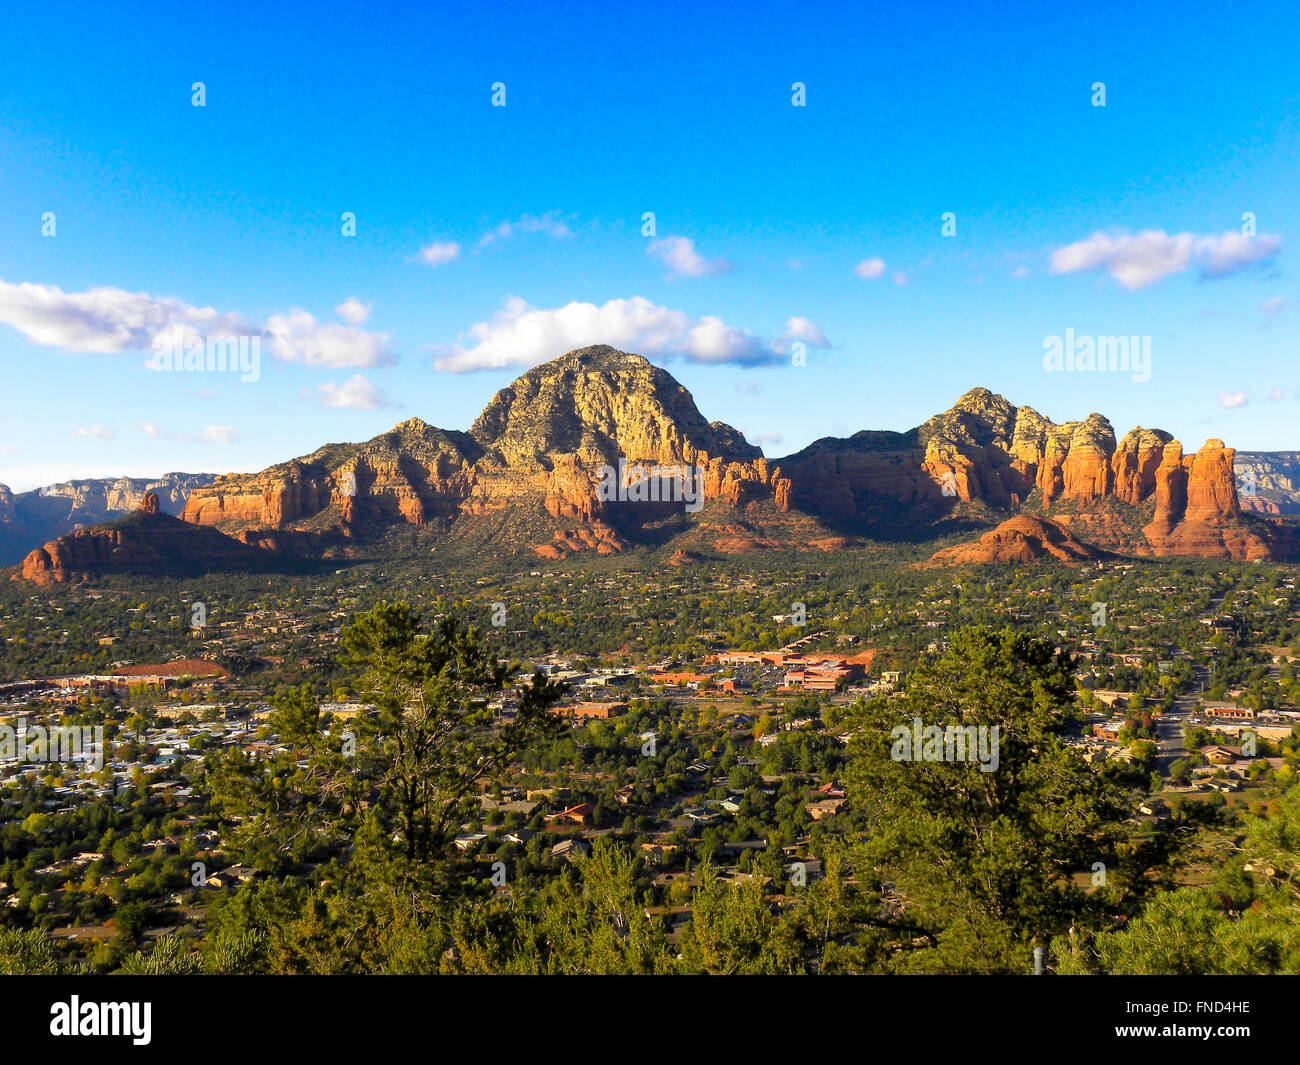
[559, 425]
[983, 450]
[597, 405]
[1197, 509]
[414, 473]
[92, 501]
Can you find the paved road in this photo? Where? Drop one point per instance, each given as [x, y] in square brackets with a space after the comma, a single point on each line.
[1169, 729]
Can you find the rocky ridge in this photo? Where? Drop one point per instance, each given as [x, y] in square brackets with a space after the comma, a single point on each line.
[533, 476]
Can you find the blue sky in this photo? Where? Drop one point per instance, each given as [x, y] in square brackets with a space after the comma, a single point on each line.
[490, 238]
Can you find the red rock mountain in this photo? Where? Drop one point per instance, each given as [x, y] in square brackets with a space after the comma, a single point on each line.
[531, 476]
[536, 453]
[530, 468]
[985, 457]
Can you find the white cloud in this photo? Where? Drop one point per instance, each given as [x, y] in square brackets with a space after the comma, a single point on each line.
[550, 224]
[900, 279]
[805, 330]
[110, 320]
[353, 311]
[523, 336]
[680, 256]
[1136, 260]
[356, 392]
[215, 434]
[1274, 306]
[105, 320]
[93, 432]
[1228, 400]
[440, 252]
[297, 337]
[870, 269]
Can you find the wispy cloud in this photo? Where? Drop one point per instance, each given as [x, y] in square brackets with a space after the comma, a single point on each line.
[802, 329]
[298, 337]
[353, 311]
[213, 434]
[1136, 260]
[93, 432]
[1229, 400]
[111, 320]
[870, 269]
[439, 252]
[682, 260]
[105, 320]
[551, 224]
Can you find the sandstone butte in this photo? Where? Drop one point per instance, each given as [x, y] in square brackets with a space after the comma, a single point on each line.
[525, 477]
[1023, 538]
